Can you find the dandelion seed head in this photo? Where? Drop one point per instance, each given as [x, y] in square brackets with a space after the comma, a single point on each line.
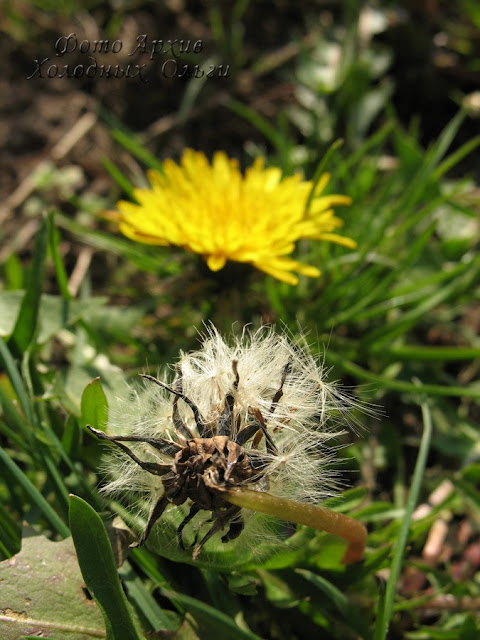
[265, 414]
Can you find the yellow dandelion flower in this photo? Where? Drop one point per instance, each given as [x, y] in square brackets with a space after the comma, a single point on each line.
[215, 211]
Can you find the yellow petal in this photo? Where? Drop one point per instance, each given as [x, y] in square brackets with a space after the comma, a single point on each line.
[343, 240]
[212, 209]
[215, 263]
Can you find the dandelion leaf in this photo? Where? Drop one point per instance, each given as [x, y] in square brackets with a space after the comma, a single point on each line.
[43, 593]
[54, 313]
[94, 404]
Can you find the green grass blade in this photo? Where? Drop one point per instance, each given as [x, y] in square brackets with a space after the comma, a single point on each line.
[375, 140]
[259, 122]
[456, 157]
[151, 567]
[417, 186]
[446, 137]
[35, 495]
[403, 295]
[57, 481]
[55, 444]
[467, 275]
[339, 599]
[213, 623]
[320, 170]
[10, 534]
[384, 284]
[97, 565]
[53, 243]
[13, 374]
[137, 149]
[437, 354]
[117, 245]
[382, 382]
[145, 602]
[14, 426]
[386, 610]
[26, 323]
[119, 178]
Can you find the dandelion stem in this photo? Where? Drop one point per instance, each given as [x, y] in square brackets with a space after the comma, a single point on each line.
[313, 516]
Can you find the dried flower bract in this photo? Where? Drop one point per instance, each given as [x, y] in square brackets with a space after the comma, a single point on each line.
[245, 425]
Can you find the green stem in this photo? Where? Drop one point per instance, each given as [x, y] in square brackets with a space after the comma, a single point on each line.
[386, 611]
[310, 515]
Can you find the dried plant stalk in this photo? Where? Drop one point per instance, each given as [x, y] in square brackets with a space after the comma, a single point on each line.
[310, 515]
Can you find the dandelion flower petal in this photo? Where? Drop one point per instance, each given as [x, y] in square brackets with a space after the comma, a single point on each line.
[213, 210]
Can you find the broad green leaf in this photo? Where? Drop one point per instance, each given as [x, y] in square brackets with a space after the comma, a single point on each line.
[71, 384]
[247, 552]
[116, 320]
[97, 564]
[94, 405]
[42, 592]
